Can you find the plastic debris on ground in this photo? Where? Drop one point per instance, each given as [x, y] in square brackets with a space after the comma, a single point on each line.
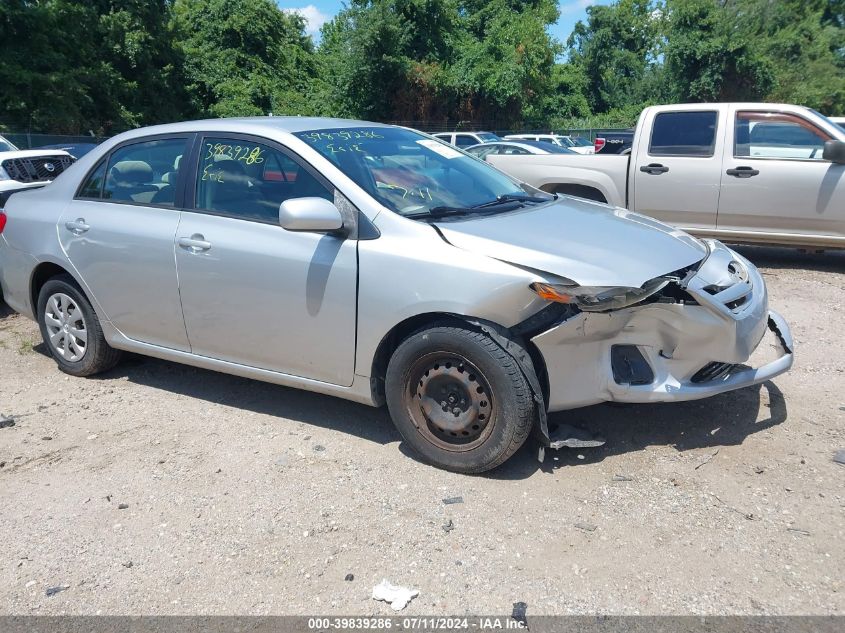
[397, 596]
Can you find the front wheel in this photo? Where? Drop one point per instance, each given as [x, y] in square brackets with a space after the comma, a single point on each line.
[71, 330]
[459, 399]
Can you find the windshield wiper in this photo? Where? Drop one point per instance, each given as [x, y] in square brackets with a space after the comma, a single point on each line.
[513, 197]
[511, 200]
[439, 212]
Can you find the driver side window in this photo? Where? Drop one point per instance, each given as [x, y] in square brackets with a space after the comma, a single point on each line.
[248, 180]
[777, 135]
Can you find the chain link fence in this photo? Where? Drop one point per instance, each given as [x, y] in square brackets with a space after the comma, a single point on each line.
[26, 140]
[582, 128]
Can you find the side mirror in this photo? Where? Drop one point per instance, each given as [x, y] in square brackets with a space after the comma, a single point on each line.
[309, 214]
[834, 151]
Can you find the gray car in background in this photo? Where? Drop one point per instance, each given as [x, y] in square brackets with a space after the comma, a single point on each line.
[381, 265]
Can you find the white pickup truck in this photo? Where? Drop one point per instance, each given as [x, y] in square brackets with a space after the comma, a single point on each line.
[742, 172]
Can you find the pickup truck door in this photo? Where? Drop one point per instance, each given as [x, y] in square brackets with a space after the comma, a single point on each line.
[775, 180]
[676, 166]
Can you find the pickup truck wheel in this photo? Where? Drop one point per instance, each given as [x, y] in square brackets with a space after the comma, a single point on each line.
[459, 399]
[71, 330]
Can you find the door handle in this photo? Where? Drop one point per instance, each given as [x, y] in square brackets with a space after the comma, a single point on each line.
[743, 172]
[77, 227]
[196, 243]
[654, 168]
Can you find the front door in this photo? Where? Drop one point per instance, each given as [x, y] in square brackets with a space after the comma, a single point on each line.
[252, 292]
[676, 172]
[776, 181]
[118, 234]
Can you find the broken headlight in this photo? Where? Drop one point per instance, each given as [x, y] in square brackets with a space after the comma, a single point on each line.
[598, 298]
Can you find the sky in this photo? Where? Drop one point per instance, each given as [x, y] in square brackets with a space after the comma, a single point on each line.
[317, 12]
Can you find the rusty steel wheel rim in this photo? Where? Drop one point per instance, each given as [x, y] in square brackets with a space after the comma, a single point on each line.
[449, 401]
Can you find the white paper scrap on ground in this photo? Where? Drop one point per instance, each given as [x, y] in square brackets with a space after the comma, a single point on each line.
[397, 596]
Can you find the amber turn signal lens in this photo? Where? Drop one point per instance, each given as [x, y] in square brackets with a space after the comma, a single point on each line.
[550, 293]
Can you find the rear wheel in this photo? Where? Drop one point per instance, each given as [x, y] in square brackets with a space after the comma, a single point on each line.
[71, 330]
[459, 399]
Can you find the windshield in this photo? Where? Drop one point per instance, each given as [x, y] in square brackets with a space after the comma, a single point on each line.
[6, 146]
[412, 174]
[488, 137]
[580, 142]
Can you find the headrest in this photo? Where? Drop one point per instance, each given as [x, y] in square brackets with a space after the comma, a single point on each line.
[176, 162]
[135, 172]
[229, 165]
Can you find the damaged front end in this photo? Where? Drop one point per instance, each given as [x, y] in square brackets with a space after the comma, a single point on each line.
[686, 338]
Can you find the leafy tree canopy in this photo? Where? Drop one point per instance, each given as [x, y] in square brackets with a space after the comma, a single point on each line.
[106, 65]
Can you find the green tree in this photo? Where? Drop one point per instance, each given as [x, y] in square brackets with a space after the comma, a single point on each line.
[805, 41]
[566, 97]
[616, 48]
[71, 66]
[503, 69]
[439, 59]
[244, 57]
[709, 56]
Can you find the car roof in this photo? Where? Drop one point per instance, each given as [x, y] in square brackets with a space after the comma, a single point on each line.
[290, 124]
[461, 132]
[523, 143]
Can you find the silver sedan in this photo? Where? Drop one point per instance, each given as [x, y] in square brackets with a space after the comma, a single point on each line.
[378, 264]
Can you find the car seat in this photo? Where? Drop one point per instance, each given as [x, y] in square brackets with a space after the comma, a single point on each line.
[230, 190]
[131, 181]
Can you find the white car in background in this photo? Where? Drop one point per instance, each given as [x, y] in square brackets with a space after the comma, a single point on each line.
[28, 169]
[467, 139]
[839, 120]
[517, 148]
[577, 144]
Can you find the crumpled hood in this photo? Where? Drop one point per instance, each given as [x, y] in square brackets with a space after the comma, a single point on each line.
[590, 243]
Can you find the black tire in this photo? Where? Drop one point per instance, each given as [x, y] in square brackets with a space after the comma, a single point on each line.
[509, 412]
[98, 356]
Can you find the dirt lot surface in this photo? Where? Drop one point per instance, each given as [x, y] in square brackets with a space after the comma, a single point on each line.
[162, 489]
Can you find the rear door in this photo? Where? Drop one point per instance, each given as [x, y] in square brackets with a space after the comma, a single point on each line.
[118, 233]
[775, 180]
[252, 292]
[676, 171]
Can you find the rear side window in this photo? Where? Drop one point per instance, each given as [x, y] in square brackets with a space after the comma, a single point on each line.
[684, 134]
[93, 187]
[249, 180]
[465, 140]
[143, 173]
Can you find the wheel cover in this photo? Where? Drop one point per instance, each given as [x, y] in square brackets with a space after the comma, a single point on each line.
[450, 401]
[66, 328]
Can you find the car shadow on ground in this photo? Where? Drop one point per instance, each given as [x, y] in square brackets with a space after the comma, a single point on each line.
[723, 420]
[4, 309]
[243, 394]
[771, 257]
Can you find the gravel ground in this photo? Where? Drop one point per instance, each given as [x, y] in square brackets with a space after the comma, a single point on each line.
[162, 489]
